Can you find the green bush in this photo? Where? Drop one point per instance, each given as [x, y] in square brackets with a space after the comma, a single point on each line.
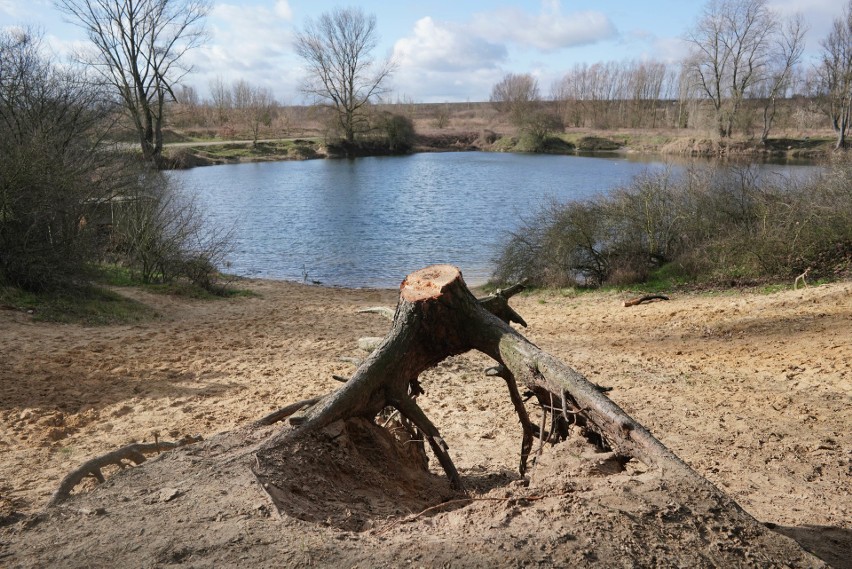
[397, 131]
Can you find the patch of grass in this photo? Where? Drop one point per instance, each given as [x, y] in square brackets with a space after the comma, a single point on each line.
[773, 288]
[282, 148]
[667, 277]
[116, 275]
[119, 276]
[89, 305]
[596, 144]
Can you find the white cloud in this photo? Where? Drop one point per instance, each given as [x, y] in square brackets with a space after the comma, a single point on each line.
[549, 30]
[441, 61]
[434, 86]
[282, 10]
[446, 47]
[670, 49]
[251, 42]
[818, 15]
[20, 9]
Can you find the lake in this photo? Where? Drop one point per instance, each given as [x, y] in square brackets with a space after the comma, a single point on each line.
[369, 222]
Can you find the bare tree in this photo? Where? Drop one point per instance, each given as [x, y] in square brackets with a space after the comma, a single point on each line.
[788, 51]
[222, 101]
[645, 85]
[256, 106]
[516, 95]
[835, 74]
[140, 48]
[341, 70]
[732, 49]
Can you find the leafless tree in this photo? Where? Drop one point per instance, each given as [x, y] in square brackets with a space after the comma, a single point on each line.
[139, 49]
[341, 70]
[788, 51]
[835, 74]
[221, 99]
[646, 80]
[732, 52]
[255, 105]
[516, 95]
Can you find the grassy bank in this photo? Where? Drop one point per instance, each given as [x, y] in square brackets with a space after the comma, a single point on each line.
[103, 301]
[571, 142]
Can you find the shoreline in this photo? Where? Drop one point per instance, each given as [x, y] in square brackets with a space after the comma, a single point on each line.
[212, 153]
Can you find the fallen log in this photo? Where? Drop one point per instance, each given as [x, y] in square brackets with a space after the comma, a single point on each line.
[437, 316]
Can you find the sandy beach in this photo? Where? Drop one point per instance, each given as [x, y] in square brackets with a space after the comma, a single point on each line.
[752, 390]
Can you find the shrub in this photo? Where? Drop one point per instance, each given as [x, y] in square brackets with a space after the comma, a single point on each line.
[161, 235]
[67, 201]
[707, 223]
[397, 131]
[51, 171]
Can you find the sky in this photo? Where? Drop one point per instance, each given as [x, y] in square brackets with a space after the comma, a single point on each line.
[446, 50]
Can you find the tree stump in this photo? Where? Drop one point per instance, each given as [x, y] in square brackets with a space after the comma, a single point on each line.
[436, 317]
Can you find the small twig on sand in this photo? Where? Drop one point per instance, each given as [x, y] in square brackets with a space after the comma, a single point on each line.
[646, 298]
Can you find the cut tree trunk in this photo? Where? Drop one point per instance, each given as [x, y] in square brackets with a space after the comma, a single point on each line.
[437, 316]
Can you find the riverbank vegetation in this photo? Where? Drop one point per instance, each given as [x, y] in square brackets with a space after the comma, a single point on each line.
[705, 225]
[70, 201]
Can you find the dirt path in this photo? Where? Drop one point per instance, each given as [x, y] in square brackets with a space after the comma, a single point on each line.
[753, 391]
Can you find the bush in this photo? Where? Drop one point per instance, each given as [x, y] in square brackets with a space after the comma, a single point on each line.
[397, 131]
[161, 235]
[706, 223]
[51, 172]
[67, 200]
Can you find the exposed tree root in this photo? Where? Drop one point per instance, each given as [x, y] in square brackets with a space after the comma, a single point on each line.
[133, 453]
[285, 412]
[529, 430]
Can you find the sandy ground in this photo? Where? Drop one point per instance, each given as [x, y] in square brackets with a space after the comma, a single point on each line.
[754, 391]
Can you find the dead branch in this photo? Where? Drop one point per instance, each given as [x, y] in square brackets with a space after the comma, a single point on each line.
[801, 278]
[646, 298]
[134, 453]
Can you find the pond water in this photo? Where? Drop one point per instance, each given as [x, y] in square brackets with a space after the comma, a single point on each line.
[368, 222]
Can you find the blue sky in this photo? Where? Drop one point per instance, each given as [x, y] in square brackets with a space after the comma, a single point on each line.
[446, 50]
